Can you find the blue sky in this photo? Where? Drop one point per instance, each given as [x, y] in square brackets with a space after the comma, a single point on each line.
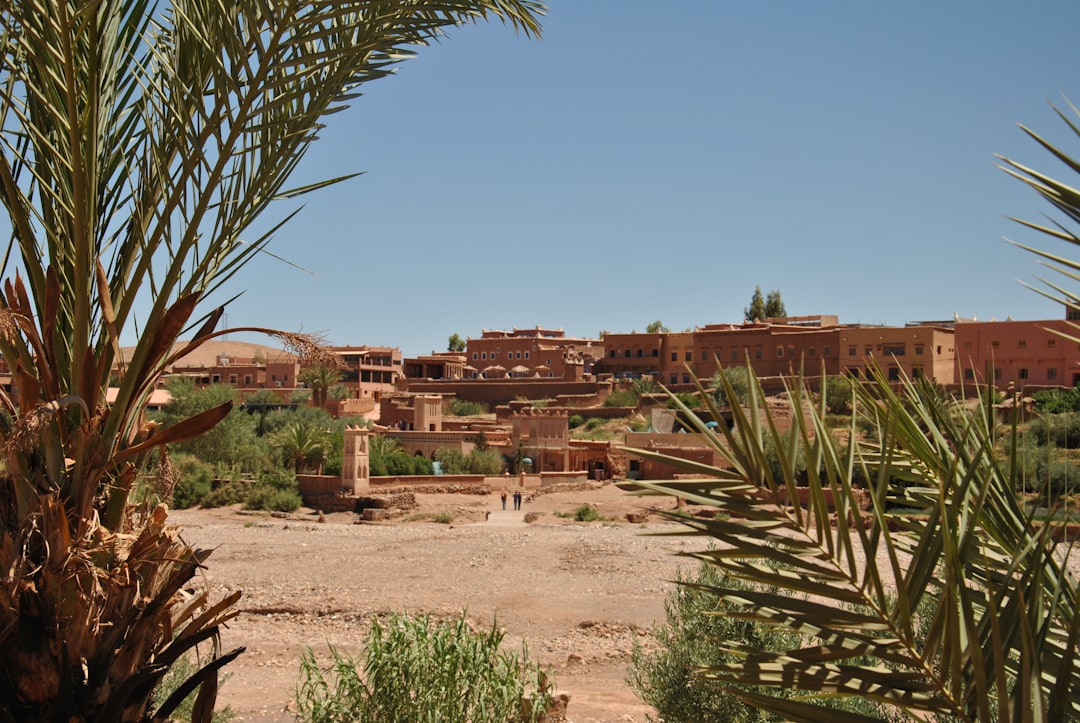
[650, 160]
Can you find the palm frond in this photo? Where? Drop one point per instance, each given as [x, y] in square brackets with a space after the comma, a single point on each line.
[856, 583]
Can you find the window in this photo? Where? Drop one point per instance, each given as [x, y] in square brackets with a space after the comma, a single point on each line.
[704, 355]
[828, 350]
[689, 356]
[526, 355]
[475, 355]
[894, 350]
[627, 354]
[232, 379]
[216, 378]
[918, 350]
[851, 351]
[640, 353]
[757, 353]
[1051, 373]
[1051, 342]
[247, 380]
[894, 374]
[674, 378]
[1023, 373]
[612, 354]
[868, 351]
[995, 344]
[675, 357]
[779, 352]
[483, 355]
[518, 355]
[1022, 343]
[969, 374]
[685, 378]
[916, 373]
[853, 372]
[997, 374]
[967, 344]
[812, 352]
[655, 353]
[734, 353]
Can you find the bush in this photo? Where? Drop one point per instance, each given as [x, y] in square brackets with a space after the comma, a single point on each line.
[271, 499]
[587, 513]
[229, 493]
[193, 482]
[462, 408]
[838, 394]
[622, 398]
[739, 380]
[575, 421]
[414, 669]
[698, 633]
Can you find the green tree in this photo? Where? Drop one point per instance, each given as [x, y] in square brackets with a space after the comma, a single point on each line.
[756, 310]
[657, 327]
[764, 307]
[731, 385]
[774, 306]
[141, 145]
[232, 442]
[456, 343]
[302, 445]
[319, 379]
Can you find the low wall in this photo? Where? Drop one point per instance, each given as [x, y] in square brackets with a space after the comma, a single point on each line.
[321, 484]
[548, 479]
[434, 480]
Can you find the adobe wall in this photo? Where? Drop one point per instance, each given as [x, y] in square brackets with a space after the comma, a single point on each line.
[493, 392]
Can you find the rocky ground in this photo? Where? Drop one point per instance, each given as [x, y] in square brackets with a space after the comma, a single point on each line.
[580, 594]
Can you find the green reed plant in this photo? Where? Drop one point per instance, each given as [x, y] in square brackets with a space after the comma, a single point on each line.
[417, 669]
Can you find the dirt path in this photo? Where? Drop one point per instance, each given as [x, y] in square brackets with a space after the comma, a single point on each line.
[580, 595]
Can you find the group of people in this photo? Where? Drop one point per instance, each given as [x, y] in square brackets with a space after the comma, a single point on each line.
[517, 499]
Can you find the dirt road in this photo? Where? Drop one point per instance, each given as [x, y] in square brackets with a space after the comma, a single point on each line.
[580, 594]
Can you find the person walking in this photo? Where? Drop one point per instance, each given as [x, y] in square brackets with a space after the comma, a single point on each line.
[503, 496]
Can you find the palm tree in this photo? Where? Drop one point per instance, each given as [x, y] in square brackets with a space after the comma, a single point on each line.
[138, 145]
[302, 443]
[962, 610]
[320, 378]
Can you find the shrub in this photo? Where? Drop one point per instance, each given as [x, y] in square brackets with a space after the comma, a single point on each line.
[193, 481]
[738, 378]
[463, 408]
[587, 513]
[698, 632]
[622, 398]
[443, 518]
[486, 462]
[415, 669]
[575, 421]
[838, 391]
[229, 493]
[271, 499]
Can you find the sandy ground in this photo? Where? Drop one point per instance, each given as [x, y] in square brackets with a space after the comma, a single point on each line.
[580, 594]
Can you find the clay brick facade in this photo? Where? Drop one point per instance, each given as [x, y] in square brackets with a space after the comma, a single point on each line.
[782, 347]
[1024, 353]
[533, 353]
